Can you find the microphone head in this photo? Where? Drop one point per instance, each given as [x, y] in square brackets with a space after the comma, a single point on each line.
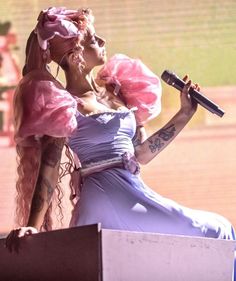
[168, 76]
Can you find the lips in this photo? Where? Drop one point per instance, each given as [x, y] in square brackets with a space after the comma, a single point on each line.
[103, 52]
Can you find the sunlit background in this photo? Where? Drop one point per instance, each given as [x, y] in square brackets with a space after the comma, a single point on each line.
[197, 37]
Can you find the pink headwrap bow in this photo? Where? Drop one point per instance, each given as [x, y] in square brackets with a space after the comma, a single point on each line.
[62, 22]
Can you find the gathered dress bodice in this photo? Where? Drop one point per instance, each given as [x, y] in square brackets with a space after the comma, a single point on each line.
[103, 135]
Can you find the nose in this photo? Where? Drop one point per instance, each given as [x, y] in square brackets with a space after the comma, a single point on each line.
[101, 41]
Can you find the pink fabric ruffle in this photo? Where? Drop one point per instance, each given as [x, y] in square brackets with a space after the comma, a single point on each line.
[43, 107]
[137, 85]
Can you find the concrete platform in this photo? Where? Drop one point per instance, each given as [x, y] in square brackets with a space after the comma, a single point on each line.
[90, 253]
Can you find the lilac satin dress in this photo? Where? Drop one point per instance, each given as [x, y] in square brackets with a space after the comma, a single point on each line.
[119, 199]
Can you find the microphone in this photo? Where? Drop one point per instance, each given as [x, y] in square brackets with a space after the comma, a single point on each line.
[172, 79]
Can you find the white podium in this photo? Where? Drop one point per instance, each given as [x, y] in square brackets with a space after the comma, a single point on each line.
[90, 253]
[130, 256]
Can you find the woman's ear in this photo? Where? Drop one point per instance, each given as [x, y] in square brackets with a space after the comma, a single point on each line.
[68, 58]
[74, 60]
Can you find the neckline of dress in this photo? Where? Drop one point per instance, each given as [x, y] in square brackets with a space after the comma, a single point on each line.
[109, 111]
[121, 109]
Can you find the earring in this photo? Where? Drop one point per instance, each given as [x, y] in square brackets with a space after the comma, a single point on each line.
[57, 72]
[47, 56]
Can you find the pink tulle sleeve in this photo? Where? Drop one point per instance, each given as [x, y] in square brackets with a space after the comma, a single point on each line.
[43, 108]
[137, 85]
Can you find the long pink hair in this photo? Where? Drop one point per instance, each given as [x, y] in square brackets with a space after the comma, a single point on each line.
[29, 157]
[28, 160]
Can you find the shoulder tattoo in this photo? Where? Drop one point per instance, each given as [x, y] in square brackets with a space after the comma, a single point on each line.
[52, 150]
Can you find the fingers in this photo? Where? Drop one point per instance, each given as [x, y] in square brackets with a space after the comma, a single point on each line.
[197, 87]
[185, 77]
[25, 231]
[189, 84]
[188, 104]
[13, 239]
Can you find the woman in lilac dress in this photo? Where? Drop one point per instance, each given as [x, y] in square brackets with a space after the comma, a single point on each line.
[103, 126]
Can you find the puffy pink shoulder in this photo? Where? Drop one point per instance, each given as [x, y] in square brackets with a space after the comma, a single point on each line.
[137, 85]
[43, 107]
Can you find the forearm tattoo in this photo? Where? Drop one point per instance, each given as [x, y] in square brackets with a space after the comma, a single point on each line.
[137, 139]
[52, 152]
[157, 141]
[39, 198]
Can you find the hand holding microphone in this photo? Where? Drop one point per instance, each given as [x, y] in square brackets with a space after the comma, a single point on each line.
[188, 104]
[173, 80]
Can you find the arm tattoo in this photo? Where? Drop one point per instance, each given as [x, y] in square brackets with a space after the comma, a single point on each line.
[137, 139]
[157, 140]
[38, 199]
[50, 190]
[52, 152]
[155, 144]
[167, 133]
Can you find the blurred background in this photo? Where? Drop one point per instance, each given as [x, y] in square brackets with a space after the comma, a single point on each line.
[197, 37]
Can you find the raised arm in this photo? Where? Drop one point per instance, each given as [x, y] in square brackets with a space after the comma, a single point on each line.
[152, 146]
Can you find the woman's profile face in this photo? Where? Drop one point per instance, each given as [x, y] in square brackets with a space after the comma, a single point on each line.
[94, 52]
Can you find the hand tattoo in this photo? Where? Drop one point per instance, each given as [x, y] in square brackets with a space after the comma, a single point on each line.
[157, 140]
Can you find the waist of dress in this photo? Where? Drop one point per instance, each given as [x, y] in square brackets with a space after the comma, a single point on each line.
[125, 161]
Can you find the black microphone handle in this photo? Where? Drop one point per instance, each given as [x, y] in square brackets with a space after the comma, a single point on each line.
[206, 103]
[177, 83]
